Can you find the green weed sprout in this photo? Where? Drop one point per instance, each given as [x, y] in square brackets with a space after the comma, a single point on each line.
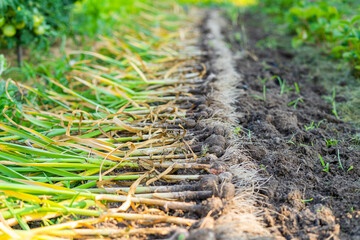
[331, 142]
[340, 164]
[310, 127]
[326, 166]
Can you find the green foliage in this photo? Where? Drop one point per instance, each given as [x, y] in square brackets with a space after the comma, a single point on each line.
[326, 167]
[32, 21]
[331, 142]
[334, 25]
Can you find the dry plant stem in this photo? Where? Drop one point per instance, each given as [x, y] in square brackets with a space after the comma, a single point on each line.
[78, 233]
[186, 195]
[148, 217]
[184, 206]
[150, 189]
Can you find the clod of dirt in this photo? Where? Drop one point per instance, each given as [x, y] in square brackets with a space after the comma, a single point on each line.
[190, 123]
[226, 177]
[199, 101]
[196, 147]
[200, 126]
[210, 158]
[217, 150]
[209, 182]
[217, 168]
[216, 140]
[202, 234]
[215, 205]
[285, 122]
[227, 191]
[257, 152]
[294, 197]
[219, 130]
[233, 156]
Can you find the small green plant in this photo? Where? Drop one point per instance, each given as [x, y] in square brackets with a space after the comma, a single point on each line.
[350, 168]
[325, 166]
[282, 83]
[333, 103]
[306, 200]
[237, 130]
[331, 142]
[291, 140]
[264, 93]
[310, 127]
[352, 209]
[321, 209]
[263, 98]
[297, 89]
[340, 164]
[295, 102]
[319, 123]
[313, 125]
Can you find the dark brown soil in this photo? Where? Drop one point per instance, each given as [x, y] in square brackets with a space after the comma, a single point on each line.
[302, 201]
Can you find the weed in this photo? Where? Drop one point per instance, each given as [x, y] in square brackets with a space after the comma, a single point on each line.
[318, 124]
[297, 89]
[264, 93]
[306, 200]
[319, 210]
[291, 140]
[331, 142]
[333, 103]
[295, 102]
[237, 130]
[263, 80]
[263, 98]
[310, 127]
[340, 164]
[313, 125]
[350, 168]
[326, 166]
[237, 37]
[283, 88]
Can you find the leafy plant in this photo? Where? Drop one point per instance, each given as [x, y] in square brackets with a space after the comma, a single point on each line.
[310, 127]
[332, 24]
[331, 142]
[282, 83]
[25, 22]
[295, 102]
[340, 164]
[333, 103]
[263, 98]
[307, 200]
[325, 165]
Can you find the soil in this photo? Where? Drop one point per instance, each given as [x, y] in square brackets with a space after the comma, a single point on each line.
[303, 199]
